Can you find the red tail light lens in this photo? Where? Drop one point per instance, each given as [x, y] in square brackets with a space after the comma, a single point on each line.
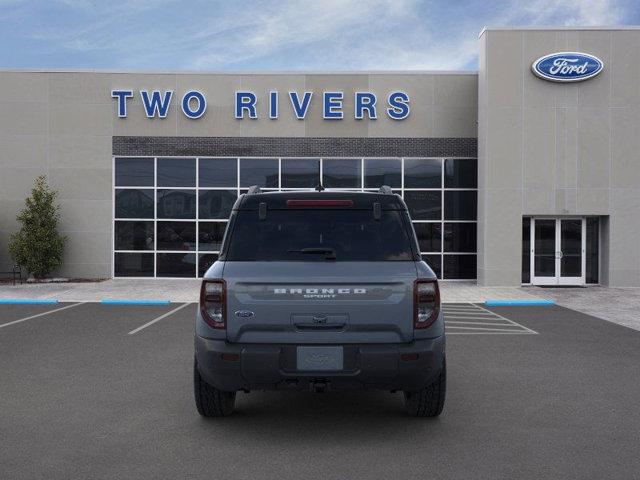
[426, 303]
[213, 299]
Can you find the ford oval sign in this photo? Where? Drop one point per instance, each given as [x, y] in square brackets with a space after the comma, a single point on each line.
[567, 66]
[244, 313]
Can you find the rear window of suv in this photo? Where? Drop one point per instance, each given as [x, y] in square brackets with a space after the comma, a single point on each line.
[308, 235]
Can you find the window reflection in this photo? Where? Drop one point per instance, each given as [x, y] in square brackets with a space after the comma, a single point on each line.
[176, 204]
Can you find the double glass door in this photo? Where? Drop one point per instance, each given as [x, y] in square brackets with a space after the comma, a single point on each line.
[558, 251]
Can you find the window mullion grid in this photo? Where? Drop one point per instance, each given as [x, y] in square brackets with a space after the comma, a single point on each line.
[403, 190]
[442, 161]
[113, 217]
[155, 217]
[197, 217]
[238, 176]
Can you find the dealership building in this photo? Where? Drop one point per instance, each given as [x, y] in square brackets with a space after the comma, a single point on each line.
[524, 172]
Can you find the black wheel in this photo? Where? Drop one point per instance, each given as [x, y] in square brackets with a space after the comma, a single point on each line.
[429, 401]
[210, 401]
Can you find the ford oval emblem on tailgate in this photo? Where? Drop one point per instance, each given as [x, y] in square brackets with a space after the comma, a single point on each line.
[244, 313]
[567, 66]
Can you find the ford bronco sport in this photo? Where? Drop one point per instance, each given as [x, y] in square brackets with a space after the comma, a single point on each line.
[319, 290]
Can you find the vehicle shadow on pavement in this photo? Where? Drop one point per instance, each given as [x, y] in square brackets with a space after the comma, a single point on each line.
[308, 416]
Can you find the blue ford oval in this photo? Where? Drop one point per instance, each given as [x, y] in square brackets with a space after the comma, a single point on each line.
[244, 313]
[567, 66]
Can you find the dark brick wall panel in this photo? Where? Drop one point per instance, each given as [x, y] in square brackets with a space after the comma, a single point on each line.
[295, 146]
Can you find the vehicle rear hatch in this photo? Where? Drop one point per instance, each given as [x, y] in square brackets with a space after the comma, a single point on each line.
[314, 302]
[326, 267]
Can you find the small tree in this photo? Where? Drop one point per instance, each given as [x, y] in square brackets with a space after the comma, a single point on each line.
[38, 246]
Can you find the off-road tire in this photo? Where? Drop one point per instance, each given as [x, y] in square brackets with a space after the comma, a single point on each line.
[429, 401]
[210, 401]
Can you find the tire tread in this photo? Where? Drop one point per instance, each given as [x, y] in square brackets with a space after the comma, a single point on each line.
[210, 401]
[429, 401]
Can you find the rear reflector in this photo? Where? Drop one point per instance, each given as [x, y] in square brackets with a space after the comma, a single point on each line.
[231, 357]
[408, 357]
[319, 203]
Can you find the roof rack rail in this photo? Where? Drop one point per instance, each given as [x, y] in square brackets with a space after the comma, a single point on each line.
[386, 189]
[253, 189]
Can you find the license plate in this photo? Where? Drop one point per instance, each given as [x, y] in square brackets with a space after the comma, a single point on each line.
[314, 359]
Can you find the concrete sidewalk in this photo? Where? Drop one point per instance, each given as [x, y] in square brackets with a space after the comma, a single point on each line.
[618, 305]
[175, 290]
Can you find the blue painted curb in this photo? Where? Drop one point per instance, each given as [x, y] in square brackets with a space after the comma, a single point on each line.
[109, 301]
[28, 301]
[518, 303]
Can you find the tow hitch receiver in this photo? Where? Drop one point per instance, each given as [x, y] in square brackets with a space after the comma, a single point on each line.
[319, 385]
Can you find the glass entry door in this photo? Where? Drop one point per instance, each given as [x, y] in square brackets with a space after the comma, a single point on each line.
[558, 251]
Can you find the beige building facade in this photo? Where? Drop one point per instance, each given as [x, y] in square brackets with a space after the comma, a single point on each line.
[509, 178]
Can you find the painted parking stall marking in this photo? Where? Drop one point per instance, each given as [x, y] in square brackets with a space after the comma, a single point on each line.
[157, 319]
[472, 319]
[30, 317]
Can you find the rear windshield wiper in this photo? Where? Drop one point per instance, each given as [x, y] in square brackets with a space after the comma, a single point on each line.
[330, 253]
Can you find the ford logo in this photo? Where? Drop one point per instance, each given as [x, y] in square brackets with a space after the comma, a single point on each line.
[567, 66]
[244, 313]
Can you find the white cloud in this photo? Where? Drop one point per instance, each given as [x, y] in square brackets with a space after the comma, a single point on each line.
[381, 35]
[330, 26]
[570, 12]
[304, 34]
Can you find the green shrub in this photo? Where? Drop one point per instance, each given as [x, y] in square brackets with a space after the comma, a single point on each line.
[37, 246]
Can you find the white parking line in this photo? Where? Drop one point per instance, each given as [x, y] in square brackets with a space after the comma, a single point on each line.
[514, 332]
[159, 318]
[40, 314]
[465, 312]
[472, 319]
[505, 318]
[479, 323]
[487, 329]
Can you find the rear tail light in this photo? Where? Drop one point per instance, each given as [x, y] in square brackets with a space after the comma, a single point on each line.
[213, 299]
[426, 303]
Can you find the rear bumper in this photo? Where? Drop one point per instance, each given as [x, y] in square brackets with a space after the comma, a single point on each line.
[273, 367]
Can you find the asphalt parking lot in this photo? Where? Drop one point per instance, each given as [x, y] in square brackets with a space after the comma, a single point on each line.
[91, 391]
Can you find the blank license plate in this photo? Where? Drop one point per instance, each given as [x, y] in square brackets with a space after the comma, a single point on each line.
[320, 358]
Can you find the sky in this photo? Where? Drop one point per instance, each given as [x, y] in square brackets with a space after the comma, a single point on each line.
[277, 35]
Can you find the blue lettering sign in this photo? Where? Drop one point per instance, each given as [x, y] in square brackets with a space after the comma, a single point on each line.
[365, 101]
[122, 96]
[273, 105]
[200, 100]
[332, 105]
[398, 105]
[246, 101]
[156, 105]
[300, 108]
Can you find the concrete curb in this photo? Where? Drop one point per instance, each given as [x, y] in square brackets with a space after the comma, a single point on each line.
[518, 303]
[28, 301]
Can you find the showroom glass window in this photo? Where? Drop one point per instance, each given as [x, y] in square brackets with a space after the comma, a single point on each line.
[171, 213]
